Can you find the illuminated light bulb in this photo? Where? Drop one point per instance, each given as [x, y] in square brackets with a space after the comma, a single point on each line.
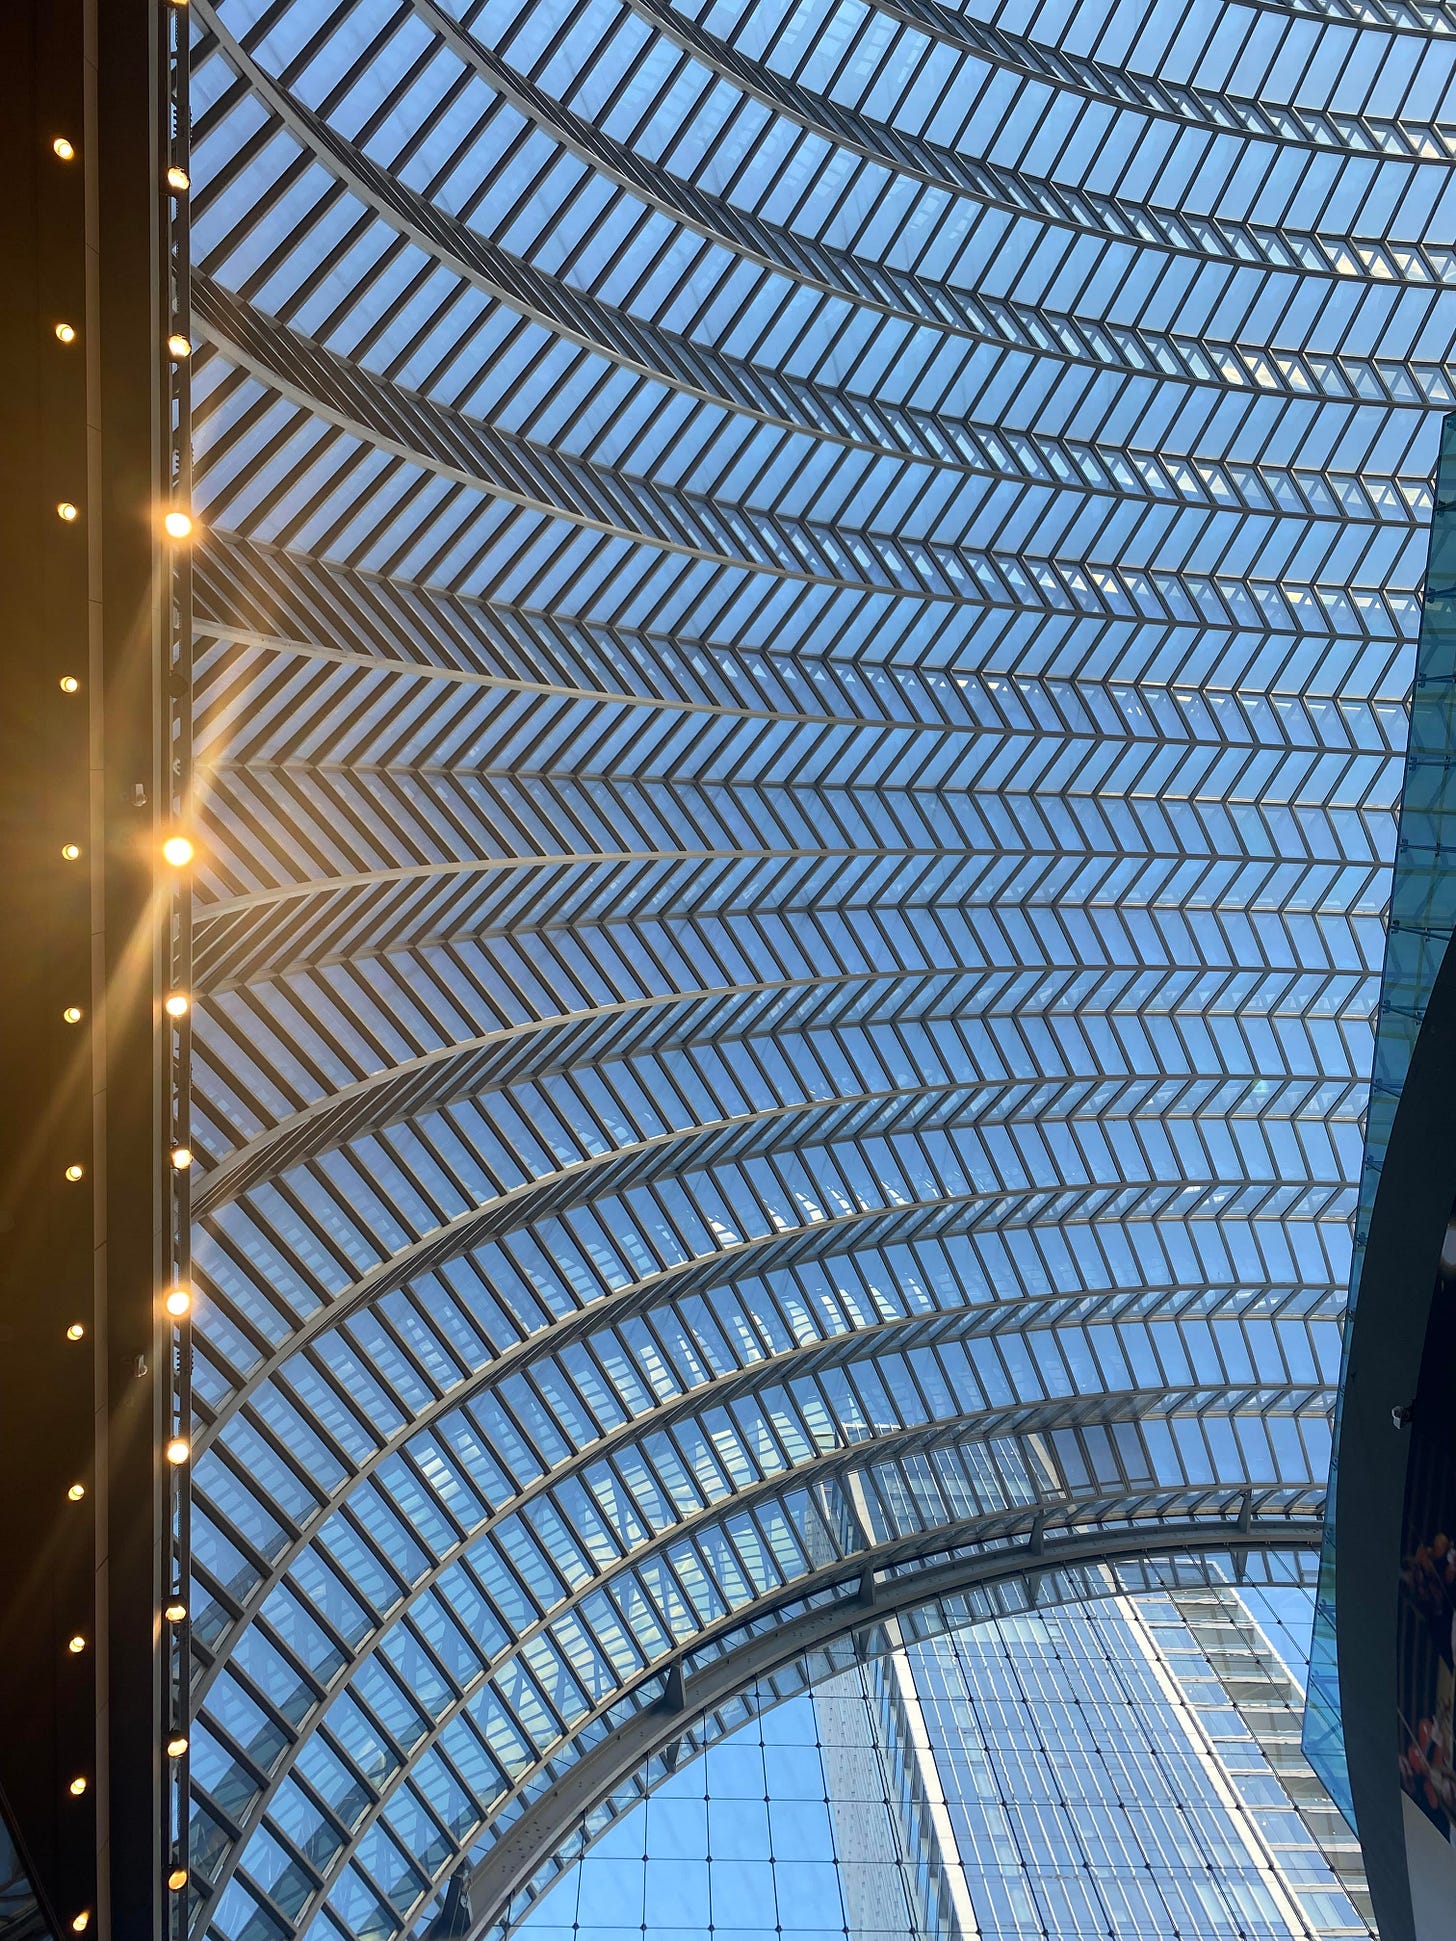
[65, 510]
[175, 1613]
[76, 1331]
[176, 1005]
[178, 1302]
[76, 1645]
[73, 1173]
[181, 1158]
[69, 684]
[64, 149]
[178, 345]
[66, 333]
[178, 179]
[72, 1014]
[78, 1786]
[177, 524]
[71, 851]
[176, 1747]
[76, 1492]
[177, 851]
[177, 1879]
[81, 1922]
[178, 1451]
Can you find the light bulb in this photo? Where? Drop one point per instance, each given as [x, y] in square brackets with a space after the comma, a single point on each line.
[178, 345]
[76, 1645]
[176, 1005]
[76, 1331]
[66, 333]
[78, 1786]
[69, 684]
[177, 1451]
[176, 1747]
[175, 1613]
[178, 179]
[177, 524]
[177, 1879]
[177, 851]
[76, 1492]
[65, 510]
[72, 1014]
[181, 1158]
[73, 1173]
[178, 1302]
[71, 851]
[64, 149]
[80, 1923]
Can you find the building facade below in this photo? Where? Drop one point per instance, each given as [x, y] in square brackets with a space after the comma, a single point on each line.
[1129, 1767]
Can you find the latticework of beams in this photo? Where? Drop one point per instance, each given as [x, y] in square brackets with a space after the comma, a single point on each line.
[800, 624]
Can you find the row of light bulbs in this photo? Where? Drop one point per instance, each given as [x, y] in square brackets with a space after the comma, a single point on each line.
[69, 512]
[176, 1305]
[177, 851]
[177, 524]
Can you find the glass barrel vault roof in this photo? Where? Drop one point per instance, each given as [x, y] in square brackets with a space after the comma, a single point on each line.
[802, 621]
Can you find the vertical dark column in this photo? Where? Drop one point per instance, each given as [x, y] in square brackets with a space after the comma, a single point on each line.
[79, 1151]
[50, 1163]
[129, 785]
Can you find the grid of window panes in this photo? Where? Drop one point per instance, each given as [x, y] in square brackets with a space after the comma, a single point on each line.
[738, 1844]
[1099, 1780]
[1024, 1778]
[802, 614]
[1422, 918]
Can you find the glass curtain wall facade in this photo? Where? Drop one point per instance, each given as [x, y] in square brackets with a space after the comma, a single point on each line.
[799, 624]
[1127, 1768]
[1421, 918]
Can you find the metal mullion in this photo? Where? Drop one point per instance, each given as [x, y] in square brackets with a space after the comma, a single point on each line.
[323, 266]
[422, 1644]
[387, 831]
[271, 265]
[225, 1456]
[507, 1468]
[400, 509]
[240, 158]
[266, 1059]
[269, 841]
[311, 456]
[535, 524]
[461, 515]
[252, 415]
[438, 1333]
[249, 1328]
[325, 36]
[387, 1327]
[419, 135]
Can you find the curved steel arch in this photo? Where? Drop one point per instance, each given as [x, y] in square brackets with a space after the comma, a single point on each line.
[988, 1602]
[675, 637]
[893, 1334]
[869, 1601]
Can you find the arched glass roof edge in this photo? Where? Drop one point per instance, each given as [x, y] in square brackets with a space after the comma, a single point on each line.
[500, 1883]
